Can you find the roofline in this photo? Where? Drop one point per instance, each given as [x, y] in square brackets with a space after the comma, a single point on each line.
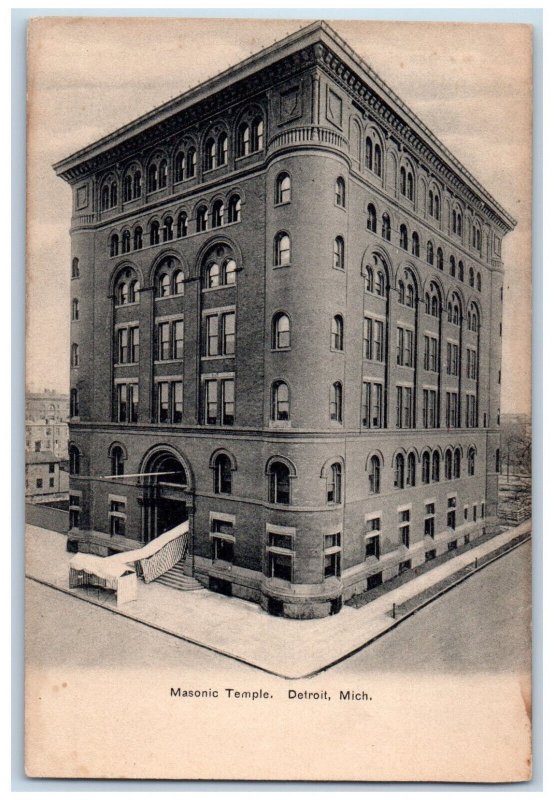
[310, 34]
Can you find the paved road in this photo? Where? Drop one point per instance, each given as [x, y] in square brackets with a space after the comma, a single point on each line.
[481, 625]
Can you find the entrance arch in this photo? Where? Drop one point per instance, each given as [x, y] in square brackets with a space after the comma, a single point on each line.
[167, 494]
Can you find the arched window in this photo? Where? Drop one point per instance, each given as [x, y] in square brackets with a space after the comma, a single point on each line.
[452, 266]
[75, 268]
[335, 402]
[153, 177]
[430, 254]
[478, 281]
[178, 282]
[282, 188]
[440, 258]
[460, 270]
[448, 465]
[340, 192]
[113, 194]
[74, 403]
[456, 315]
[134, 289]
[222, 474]
[74, 460]
[126, 242]
[374, 475]
[191, 162]
[217, 214]
[127, 188]
[168, 229]
[369, 279]
[435, 474]
[155, 232]
[385, 227]
[437, 209]
[280, 401]
[202, 219]
[105, 198]
[162, 174]
[114, 245]
[212, 276]
[415, 244]
[122, 293]
[410, 186]
[182, 225]
[380, 285]
[403, 185]
[399, 471]
[163, 285]
[210, 154]
[280, 339]
[457, 462]
[234, 208]
[369, 153]
[430, 202]
[222, 149]
[279, 483]
[338, 253]
[179, 167]
[403, 237]
[410, 295]
[471, 277]
[371, 218]
[471, 461]
[401, 292]
[137, 184]
[337, 330]
[243, 140]
[281, 249]
[75, 309]
[334, 484]
[377, 160]
[117, 459]
[137, 238]
[257, 134]
[426, 467]
[229, 272]
[411, 470]
[74, 355]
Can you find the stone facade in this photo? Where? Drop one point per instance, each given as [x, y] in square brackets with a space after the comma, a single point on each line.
[286, 307]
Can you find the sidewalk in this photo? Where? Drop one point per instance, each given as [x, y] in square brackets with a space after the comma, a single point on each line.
[241, 630]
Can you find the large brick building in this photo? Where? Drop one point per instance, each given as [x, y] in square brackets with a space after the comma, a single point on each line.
[286, 304]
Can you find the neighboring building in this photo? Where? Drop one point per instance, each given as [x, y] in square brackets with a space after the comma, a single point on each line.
[286, 304]
[46, 406]
[46, 428]
[44, 481]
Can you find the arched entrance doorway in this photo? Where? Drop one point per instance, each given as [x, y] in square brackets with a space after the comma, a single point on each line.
[166, 492]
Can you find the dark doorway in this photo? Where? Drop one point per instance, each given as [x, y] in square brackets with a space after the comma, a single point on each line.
[169, 514]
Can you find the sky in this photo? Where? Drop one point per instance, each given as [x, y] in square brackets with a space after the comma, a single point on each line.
[470, 84]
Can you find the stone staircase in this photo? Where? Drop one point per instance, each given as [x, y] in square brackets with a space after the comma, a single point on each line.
[176, 579]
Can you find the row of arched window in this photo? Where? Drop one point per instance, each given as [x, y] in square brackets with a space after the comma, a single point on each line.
[250, 138]
[280, 471]
[281, 401]
[433, 258]
[205, 218]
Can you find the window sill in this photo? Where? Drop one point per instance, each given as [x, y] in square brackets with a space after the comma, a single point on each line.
[216, 288]
[284, 203]
[281, 266]
[169, 296]
[218, 357]
[280, 423]
[161, 361]
[281, 349]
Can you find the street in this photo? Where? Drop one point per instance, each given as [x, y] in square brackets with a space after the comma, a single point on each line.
[481, 625]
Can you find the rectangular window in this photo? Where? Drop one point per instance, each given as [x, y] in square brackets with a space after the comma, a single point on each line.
[399, 345]
[229, 334]
[51, 467]
[372, 405]
[372, 547]
[404, 527]
[471, 411]
[331, 555]
[178, 338]
[51, 483]
[475, 512]
[404, 406]
[451, 513]
[280, 565]
[430, 408]
[74, 510]
[451, 410]
[429, 520]
[212, 335]
[122, 402]
[164, 341]
[281, 540]
[228, 401]
[133, 402]
[405, 347]
[177, 401]
[471, 371]
[482, 510]
[223, 541]
[210, 402]
[117, 517]
[430, 354]
[39, 483]
[373, 339]
[163, 401]
[123, 346]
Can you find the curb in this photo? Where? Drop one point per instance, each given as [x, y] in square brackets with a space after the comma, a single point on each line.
[394, 623]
